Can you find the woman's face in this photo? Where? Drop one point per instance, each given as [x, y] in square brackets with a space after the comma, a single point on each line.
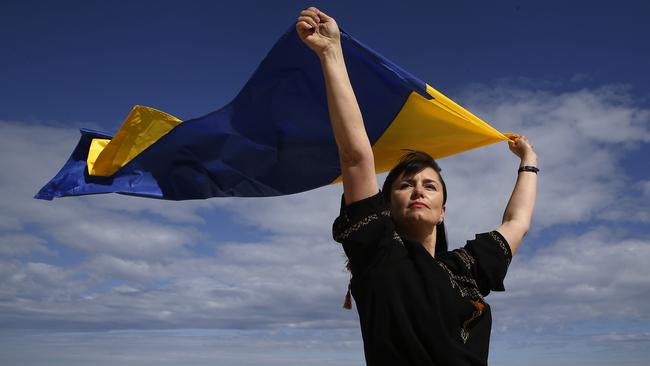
[417, 199]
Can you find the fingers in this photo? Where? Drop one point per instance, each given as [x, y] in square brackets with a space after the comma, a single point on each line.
[315, 16]
[323, 16]
[310, 14]
[520, 139]
[520, 142]
[523, 143]
[318, 30]
[305, 23]
[304, 30]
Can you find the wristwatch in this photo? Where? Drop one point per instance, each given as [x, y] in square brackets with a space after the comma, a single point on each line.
[528, 168]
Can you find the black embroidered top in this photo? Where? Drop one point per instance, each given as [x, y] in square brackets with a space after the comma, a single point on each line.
[415, 309]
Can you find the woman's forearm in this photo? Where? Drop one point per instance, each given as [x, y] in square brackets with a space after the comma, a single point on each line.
[519, 210]
[345, 115]
[522, 201]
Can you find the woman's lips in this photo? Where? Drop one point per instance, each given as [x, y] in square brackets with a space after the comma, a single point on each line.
[418, 205]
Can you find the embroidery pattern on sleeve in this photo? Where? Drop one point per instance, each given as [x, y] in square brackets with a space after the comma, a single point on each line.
[465, 257]
[503, 245]
[358, 225]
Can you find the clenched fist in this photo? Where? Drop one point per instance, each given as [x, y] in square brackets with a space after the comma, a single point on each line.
[523, 149]
[318, 30]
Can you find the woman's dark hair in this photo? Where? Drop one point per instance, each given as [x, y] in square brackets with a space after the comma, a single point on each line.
[411, 164]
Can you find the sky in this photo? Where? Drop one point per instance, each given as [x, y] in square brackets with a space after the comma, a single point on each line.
[234, 281]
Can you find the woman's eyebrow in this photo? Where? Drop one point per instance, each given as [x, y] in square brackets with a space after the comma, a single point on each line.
[428, 180]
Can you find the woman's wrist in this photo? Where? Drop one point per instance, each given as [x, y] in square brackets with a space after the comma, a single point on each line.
[529, 160]
[331, 53]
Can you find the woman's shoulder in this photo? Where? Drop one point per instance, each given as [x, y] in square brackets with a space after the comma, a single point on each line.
[485, 259]
[490, 243]
[358, 215]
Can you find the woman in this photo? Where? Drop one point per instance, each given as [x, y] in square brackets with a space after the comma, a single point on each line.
[418, 303]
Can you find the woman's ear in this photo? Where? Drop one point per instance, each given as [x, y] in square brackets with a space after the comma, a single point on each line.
[442, 215]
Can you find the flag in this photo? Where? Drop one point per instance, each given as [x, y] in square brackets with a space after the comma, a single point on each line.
[274, 138]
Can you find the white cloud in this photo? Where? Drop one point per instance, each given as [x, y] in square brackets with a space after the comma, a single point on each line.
[633, 207]
[283, 282]
[22, 244]
[645, 187]
[31, 154]
[596, 275]
[304, 214]
[580, 138]
[28, 289]
[637, 339]
[185, 212]
[122, 236]
[133, 271]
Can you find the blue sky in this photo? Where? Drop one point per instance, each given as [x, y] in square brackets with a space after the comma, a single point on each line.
[109, 278]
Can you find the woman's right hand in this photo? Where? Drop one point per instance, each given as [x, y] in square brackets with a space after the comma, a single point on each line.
[318, 30]
[524, 150]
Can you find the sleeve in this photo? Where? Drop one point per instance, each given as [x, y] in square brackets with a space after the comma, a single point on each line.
[364, 228]
[486, 258]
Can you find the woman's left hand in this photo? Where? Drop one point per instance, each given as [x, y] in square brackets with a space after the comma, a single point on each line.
[523, 149]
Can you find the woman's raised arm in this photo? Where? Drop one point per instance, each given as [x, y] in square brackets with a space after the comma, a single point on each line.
[519, 211]
[321, 33]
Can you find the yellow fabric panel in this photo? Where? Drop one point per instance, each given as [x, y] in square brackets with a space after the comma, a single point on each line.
[96, 147]
[436, 126]
[141, 128]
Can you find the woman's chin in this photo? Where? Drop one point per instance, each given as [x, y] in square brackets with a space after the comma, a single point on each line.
[420, 219]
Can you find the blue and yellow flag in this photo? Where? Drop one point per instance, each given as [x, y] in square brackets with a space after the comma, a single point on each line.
[274, 138]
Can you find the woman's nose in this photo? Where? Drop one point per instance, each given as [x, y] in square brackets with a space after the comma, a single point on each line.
[417, 191]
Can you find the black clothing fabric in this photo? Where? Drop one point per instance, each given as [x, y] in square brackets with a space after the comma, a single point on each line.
[415, 309]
